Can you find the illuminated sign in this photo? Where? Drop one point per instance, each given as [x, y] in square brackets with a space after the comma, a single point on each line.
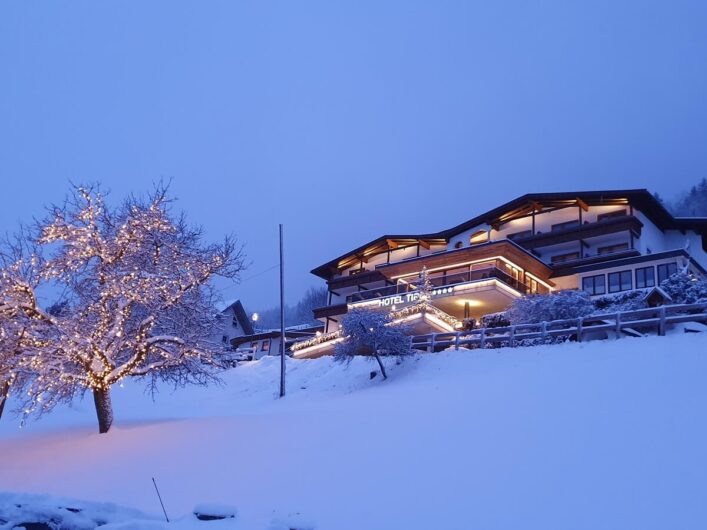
[407, 298]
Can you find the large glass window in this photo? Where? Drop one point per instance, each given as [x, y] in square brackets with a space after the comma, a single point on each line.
[666, 270]
[645, 277]
[619, 281]
[594, 284]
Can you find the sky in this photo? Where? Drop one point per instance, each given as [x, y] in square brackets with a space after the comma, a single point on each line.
[346, 120]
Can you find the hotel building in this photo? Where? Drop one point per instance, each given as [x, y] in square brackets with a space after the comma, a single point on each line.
[604, 242]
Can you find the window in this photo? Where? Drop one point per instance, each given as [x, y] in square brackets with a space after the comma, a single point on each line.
[458, 244]
[235, 322]
[619, 281]
[225, 339]
[520, 235]
[610, 249]
[666, 270]
[254, 346]
[594, 284]
[564, 257]
[569, 225]
[265, 346]
[645, 277]
[609, 215]
[482, 236]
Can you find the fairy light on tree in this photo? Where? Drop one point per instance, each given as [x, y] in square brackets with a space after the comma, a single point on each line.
[138, 302]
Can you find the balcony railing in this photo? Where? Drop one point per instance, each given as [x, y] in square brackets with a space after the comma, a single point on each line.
[442, 281]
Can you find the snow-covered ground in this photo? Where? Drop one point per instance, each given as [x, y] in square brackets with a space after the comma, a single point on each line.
[608, 435]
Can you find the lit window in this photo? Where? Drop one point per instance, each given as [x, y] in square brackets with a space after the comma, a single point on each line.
[482, 236]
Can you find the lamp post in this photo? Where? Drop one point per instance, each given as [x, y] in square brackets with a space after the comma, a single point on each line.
[282, 317]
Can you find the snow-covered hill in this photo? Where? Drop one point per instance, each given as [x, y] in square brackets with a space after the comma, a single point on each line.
[604, 435]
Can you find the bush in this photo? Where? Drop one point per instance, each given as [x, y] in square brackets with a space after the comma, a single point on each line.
[494, 320]
[684, 288]
[622, 302]
[546, 307]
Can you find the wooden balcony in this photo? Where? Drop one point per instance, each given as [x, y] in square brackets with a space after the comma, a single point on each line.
[625, 223]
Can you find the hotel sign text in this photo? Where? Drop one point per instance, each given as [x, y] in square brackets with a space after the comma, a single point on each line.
[407, 298]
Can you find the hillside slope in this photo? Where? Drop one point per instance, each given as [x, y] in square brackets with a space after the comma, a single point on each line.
[604, 435]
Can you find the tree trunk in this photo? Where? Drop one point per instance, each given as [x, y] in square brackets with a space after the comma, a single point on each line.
[104, 409]
[4, 391]
[380, 363]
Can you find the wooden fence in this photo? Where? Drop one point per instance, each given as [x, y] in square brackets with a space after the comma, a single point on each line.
[632, 323]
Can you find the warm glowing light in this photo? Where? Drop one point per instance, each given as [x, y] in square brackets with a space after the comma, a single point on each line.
[472, 303]
[255, 317]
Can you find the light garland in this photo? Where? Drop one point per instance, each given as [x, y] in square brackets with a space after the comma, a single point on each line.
[315, 341]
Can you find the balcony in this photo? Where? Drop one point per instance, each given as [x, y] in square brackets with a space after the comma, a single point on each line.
[442, 281]
[576, 232]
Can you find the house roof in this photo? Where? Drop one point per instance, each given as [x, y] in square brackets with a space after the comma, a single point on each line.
[240, 314]
[291, 332]
[642, 199]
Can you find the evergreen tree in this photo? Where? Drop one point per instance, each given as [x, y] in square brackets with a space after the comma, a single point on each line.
[693, 203]
[424, 287]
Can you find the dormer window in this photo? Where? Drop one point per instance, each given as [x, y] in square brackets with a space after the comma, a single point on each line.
[482, 236]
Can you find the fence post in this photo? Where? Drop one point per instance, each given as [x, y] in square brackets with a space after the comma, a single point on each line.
[543, 329]
[511, 336]
[661, 323]
[432, 346]
[618, 325]
[482, 338]
[580, 327]
[456, 340]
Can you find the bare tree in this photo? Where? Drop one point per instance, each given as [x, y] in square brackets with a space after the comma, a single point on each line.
[137, 301]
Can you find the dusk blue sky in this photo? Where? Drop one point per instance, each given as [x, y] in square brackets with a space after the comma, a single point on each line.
[346, 120]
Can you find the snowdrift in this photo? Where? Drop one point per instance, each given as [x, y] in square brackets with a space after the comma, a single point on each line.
[604, 435]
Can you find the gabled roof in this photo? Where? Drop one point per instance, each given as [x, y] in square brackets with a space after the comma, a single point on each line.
[642, 199]
[291, 333]
[240, 314]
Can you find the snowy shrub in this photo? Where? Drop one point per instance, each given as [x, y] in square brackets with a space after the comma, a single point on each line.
[371, 333]
[545, 307]
[494, 320]
[622, 302]
[684, 288]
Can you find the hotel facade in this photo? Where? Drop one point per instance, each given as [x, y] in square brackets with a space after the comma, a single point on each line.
[602, 242]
